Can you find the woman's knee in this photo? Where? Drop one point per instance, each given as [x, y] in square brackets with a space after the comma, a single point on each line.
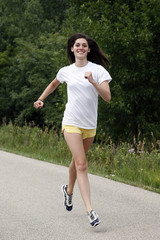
[81, 165]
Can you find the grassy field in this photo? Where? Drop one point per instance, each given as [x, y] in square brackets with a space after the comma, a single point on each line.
[119, 163]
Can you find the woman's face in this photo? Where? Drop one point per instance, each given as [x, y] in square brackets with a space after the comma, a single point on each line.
[80, 48]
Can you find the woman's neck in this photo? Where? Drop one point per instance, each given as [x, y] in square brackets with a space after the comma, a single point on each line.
[81, 63]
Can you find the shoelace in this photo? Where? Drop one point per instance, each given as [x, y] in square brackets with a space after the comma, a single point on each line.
[91, 216]
[69, 199]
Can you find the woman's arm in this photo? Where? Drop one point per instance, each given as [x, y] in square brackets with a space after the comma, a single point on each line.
[49, 89]
[103, 88]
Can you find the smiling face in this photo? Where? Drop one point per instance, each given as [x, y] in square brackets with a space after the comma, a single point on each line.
[80, 49]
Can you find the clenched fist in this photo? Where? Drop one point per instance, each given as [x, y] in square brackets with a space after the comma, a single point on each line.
[88, 75]
[38, 104]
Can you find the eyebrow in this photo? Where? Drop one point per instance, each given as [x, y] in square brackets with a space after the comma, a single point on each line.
[82, 43]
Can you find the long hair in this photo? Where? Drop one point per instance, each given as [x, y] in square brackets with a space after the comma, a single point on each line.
[95, 55]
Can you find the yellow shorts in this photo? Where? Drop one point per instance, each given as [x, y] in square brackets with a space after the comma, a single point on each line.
[86, 133]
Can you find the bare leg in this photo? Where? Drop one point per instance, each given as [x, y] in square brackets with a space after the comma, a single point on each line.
[78, 149]
[72, 177]
[72, 168]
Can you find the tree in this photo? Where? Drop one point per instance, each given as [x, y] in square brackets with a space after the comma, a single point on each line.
[128, 32]
[32, 49]
[34, 66]
[31, 58]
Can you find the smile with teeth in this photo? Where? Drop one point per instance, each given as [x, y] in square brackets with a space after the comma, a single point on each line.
[80, 51]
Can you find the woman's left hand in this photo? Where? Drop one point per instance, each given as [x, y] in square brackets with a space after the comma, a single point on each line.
[103, 88]
[88, 75]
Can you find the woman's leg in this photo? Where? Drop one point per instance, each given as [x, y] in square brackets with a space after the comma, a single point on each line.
[72, 168]
[78, 148]
[72, 177]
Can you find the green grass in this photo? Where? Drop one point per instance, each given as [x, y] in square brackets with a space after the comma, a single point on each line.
[115, 162]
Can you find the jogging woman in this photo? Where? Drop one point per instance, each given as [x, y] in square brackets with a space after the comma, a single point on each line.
[86, 78]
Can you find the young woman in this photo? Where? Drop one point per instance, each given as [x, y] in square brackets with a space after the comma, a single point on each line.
[86, 78]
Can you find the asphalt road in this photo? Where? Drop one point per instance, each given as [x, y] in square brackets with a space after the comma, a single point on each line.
[31, 205]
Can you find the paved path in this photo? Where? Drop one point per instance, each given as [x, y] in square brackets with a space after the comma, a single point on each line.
[31, 205]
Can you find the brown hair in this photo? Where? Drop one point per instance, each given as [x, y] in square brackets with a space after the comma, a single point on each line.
[95, 55]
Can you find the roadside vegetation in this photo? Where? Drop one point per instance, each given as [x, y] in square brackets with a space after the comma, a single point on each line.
[125, 163]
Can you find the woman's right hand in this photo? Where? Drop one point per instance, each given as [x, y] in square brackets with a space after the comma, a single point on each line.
[38, 104]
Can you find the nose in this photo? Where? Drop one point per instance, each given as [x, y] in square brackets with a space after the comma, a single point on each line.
[81, 46]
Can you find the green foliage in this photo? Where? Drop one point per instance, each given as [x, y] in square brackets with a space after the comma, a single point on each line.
[31, 54]
[127, 32]
[116, 162]
[35, 65]
[33, 48]
[44, 145]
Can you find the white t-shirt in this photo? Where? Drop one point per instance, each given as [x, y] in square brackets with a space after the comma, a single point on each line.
[82, 105]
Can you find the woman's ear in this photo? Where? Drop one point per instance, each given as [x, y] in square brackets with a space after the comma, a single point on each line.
[89, 49]
[72, 49]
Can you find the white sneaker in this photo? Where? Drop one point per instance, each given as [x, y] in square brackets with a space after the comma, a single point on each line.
[67, 198]
[93, 218]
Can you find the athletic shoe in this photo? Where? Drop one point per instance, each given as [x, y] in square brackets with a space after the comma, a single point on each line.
[93, 218]
[67, 198]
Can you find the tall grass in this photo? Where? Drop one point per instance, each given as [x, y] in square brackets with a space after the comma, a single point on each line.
[122, 163]
[34, 142]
